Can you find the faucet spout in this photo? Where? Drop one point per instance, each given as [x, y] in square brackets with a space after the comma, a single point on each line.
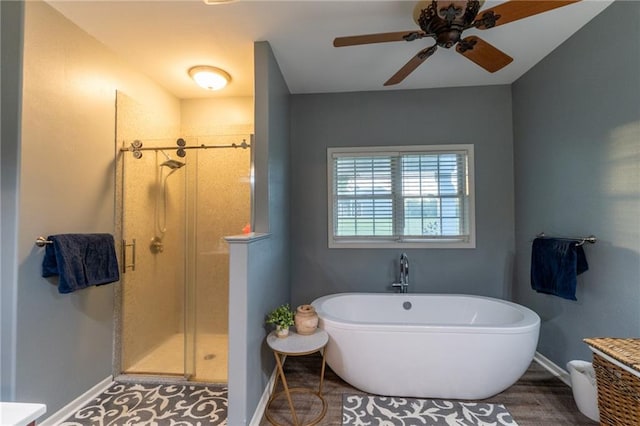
[404, 269]
[403, 283]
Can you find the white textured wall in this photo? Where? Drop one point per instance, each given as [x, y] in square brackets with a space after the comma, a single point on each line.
[67, 183]
[217, 116]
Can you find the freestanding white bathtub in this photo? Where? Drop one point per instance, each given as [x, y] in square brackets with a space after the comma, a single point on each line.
[427, 345]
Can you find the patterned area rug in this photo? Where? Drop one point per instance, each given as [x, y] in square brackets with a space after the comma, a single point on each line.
[154, 405]
[367, 410]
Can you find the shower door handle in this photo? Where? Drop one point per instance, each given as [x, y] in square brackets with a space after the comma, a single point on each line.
[126, 266]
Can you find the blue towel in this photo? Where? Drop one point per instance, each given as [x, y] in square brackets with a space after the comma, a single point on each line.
[81, 260]
[555, 264]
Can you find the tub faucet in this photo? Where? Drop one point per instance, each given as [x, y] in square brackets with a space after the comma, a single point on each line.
[404, 274]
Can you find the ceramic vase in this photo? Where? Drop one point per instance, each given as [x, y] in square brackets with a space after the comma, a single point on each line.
[306, 320]
[282, 331]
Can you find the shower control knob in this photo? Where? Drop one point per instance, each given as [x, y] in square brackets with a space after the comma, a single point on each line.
[156, 246]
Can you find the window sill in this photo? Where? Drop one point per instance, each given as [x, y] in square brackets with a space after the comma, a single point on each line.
[402, 245]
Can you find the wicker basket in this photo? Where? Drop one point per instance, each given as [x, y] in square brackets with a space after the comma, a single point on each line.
[618, 388]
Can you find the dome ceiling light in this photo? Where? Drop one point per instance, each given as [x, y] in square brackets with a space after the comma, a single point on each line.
[208, 77]
[211, 2]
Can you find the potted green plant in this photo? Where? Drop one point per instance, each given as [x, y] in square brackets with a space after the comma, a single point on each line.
[282, 318]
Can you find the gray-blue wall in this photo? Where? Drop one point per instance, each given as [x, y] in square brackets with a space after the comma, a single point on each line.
[473, 115]
[577, 172]
[268, 283]
[11, 15]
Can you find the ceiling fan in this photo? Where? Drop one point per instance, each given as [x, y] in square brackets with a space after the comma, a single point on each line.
[445, 20]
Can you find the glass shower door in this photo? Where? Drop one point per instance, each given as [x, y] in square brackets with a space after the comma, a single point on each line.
[221, 193]
[156, 336]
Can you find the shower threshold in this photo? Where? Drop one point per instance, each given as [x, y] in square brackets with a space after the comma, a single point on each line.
[166, 360]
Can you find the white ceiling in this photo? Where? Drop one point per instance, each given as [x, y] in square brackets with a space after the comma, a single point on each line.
[164, 38]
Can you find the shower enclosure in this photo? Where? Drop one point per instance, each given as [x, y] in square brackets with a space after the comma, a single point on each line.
[179, 198]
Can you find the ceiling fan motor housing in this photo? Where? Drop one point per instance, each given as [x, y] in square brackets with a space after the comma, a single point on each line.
[446, 20]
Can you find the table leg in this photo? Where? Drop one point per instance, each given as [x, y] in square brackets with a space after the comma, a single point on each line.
[274, 387]
[322, 372]
[286, 389]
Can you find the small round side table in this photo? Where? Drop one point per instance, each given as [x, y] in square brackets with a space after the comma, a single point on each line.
[297, 345]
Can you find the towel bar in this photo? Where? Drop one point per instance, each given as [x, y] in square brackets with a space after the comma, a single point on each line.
[591, 239]
[42, 241]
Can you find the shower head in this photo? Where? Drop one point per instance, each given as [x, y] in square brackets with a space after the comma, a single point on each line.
[172, 164]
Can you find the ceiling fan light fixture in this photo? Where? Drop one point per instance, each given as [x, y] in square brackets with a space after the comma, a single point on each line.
[208, 77]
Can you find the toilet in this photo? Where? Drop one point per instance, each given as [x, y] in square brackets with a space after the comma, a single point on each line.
[583, 385]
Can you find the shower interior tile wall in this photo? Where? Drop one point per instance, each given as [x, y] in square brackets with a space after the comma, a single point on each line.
[225, 211]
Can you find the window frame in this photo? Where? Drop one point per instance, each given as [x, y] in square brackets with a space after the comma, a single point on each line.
[438, 242]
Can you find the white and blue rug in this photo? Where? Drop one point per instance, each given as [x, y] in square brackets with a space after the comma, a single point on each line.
[134, 404]
[368, 410]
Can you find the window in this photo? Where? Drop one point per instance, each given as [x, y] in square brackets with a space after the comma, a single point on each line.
[409, 196]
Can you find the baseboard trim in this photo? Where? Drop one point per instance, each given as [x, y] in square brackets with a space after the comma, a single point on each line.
[66, 411]
[553, 368]
[264, 400]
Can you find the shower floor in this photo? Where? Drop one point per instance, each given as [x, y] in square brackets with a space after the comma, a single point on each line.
[167, 358]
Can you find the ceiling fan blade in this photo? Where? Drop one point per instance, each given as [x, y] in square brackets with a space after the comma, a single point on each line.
[482, 53]
[514, 10]
[410, 66]
[378, 38]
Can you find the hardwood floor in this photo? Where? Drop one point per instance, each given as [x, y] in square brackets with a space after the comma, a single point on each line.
[537, 399]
